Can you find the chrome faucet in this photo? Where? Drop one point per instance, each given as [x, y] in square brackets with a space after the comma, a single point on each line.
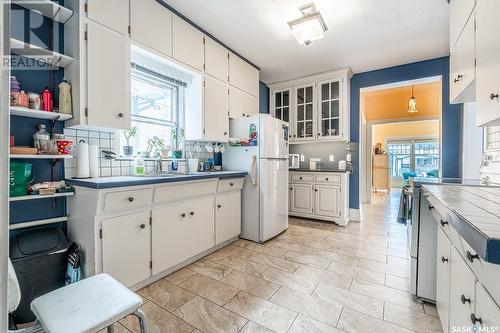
[158, 165]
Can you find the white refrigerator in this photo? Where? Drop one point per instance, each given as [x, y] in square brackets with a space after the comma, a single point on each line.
[265, 192]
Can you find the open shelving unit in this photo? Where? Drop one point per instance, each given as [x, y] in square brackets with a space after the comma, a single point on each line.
[27, 50]
[26, 112]
[47, 8]
[38, 196]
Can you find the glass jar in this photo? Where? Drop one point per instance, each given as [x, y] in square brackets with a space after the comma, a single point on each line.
[41, 140]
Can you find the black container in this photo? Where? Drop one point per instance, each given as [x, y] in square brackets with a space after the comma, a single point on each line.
[39, 259]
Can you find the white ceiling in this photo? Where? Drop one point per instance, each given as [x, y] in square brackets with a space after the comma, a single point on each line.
[362, 34]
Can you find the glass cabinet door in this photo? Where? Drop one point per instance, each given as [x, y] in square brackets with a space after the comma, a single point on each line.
[304, 116]
[329, 120]
[282, 105]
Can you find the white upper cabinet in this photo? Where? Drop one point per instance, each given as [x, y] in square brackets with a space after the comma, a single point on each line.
[216, 60]
[242, 75]
[216, 110]
[113, 14]
[460, 10]
[462, 66]
[108, 78]
[151, 25]
[488, 62]
[242, 104]
[188, 46]
[317, 106]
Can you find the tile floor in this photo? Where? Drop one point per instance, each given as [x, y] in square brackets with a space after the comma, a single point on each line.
[315, 277]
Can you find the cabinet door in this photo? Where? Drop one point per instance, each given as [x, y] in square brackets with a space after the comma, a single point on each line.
[301, 198]
[462, 291]
[188, 44]
[487, 311]
[462, 66]
[460, 11]
[151, 25]
[304, 117]
[227, 216]
[242, 104]
[216, 60]
[108, 78]
[181, 231]
[330, 110]
[327, 201]
[113, 14]
[126, 247]
[242, 75]
[216, 110]
[280, 104]
[443, 278]
[488, 66]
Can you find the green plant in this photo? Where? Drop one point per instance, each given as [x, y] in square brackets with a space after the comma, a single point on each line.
[176, 138]
[128, 134]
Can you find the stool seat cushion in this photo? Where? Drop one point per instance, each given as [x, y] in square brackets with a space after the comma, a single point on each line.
[86, 306]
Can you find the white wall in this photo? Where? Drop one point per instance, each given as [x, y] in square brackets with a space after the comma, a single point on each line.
[473, 144]
[4, 160]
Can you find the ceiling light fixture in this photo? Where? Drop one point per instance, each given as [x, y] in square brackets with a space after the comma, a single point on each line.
[412, 103]
[310, 26]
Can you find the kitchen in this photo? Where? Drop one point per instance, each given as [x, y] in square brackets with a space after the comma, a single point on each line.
[203, 179]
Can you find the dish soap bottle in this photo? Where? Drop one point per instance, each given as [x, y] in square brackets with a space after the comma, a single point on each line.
[138, 165]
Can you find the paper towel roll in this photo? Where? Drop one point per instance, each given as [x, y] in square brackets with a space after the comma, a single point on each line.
[93, 161]
[82, 160]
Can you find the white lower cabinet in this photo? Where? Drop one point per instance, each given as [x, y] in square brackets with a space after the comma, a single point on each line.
[323, 196]
[487, 314]
[443, 278]
[126, 247]
[227, 216]
[181, 231]
[301, 198]
[327, 200]
[462, 291]
[139, 241]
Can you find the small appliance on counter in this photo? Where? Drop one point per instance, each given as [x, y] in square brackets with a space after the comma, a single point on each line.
[293, 161]
[314, 163]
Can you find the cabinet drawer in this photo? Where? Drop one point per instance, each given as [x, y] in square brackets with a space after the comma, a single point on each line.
[127, 199]
[231, 184]
[328, 178]
[184, 191]
[301, 177]
[486, 310]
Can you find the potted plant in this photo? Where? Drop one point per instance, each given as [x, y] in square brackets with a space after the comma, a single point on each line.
[128, 150]
[176, 142]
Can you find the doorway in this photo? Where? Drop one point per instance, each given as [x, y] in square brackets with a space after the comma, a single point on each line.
[408, 144]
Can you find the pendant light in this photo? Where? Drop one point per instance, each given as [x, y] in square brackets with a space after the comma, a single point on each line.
[412, 103]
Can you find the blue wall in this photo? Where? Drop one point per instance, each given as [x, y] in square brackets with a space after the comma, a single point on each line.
[263, 98]
[451, 114]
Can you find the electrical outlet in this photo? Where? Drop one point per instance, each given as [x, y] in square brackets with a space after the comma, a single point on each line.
[332, 158]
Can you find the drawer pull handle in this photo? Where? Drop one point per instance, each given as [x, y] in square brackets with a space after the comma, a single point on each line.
[121, 115]
[183, 215]
[443, 259]
[475, 320]
[493, 96]
[464, 299]
[131, 199]
[326, 179]
[300, 178]
[191, 213]
[219, 206]
[459, 77]
[315, 190]
[431, 207]
[231, 184]
[471, 256]
[291, 188]
[443, 223]
[143, 226]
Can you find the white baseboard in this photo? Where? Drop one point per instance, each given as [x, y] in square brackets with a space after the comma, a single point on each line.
[355, 215]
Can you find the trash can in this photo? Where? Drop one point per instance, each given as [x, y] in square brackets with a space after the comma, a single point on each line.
[39, 259]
